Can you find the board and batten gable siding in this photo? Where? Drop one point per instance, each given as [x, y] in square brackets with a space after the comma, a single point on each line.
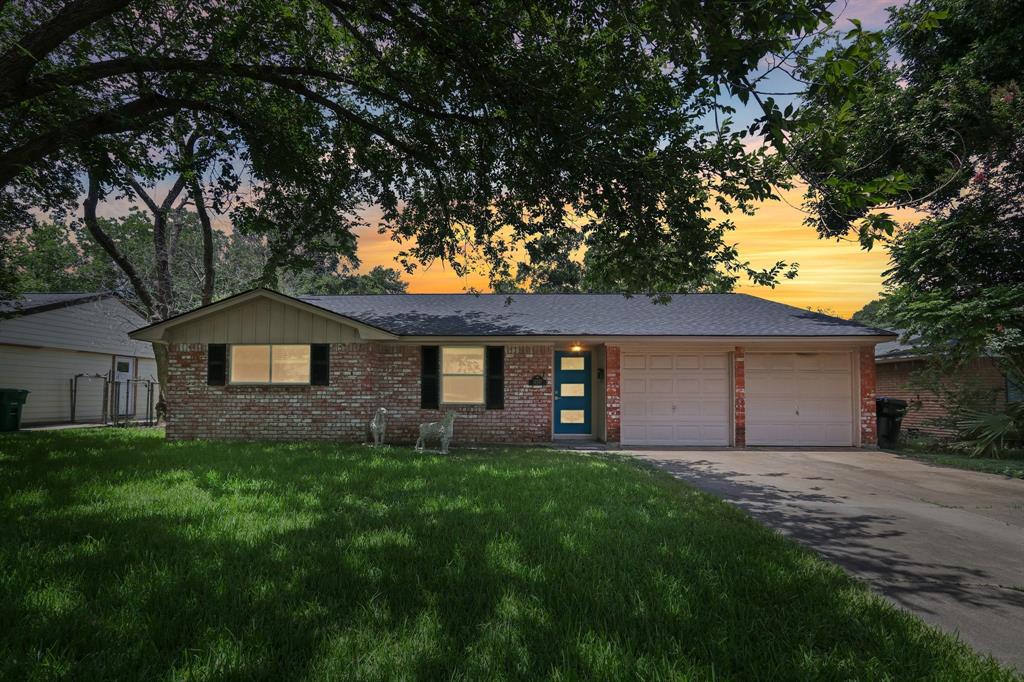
[47, 373]
[96, 326]
[263, 321]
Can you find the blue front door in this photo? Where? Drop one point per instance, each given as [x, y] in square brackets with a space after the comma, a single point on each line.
[572, 392]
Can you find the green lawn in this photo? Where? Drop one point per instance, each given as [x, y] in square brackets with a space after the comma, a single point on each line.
[1013, 468]
[125, 557]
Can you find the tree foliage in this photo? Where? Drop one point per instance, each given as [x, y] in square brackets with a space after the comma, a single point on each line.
[474, 127]
[48, 261]
[905, 117]
[929, 114]
[873, 314]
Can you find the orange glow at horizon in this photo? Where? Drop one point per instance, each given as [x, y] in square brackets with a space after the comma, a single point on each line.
[837, 276]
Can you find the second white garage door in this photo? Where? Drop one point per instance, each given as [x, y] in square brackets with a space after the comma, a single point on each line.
[799, 398]
[675, 398]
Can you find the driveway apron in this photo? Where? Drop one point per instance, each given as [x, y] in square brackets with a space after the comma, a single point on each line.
[945, 544]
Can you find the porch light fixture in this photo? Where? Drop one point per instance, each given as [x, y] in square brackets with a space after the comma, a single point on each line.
[576, 348]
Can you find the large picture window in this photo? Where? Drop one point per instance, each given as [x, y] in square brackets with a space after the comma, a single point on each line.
[462, 375]
[270, 364]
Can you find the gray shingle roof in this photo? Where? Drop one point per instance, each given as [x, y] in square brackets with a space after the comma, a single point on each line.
[27, 303]
[897, 348]
[585, 315]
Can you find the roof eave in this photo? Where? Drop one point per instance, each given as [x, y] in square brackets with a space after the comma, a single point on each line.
[46, 307]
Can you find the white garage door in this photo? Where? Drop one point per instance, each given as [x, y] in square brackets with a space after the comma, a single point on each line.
[675, 398]
[799, 398]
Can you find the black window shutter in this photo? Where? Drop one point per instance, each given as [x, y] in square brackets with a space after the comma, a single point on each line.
[216, 364]
[320, 364]
[494, 386]
[430, 377]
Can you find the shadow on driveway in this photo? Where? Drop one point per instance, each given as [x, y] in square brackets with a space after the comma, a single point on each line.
[943, 543]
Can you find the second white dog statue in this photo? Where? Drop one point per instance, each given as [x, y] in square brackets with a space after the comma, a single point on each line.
[441, 430]
[378, 426]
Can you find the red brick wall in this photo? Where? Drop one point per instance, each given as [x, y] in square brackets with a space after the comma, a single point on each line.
[364, 376]
[739, 398]
[613, 394]
[927, 411]
[868, 421]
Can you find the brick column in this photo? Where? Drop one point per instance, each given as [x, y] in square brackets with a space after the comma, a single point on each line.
[613, 400]
[739, 398]
[868, 422]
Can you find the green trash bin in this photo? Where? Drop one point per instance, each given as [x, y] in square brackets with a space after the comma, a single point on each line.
[11, 402]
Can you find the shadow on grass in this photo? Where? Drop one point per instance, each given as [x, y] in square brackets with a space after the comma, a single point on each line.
[124, 557]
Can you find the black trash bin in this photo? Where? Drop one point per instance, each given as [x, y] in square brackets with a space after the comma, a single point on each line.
[11, 400]
[889, 413]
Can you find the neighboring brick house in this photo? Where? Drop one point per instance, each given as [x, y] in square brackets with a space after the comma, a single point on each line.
[701, 370]
[899, 370]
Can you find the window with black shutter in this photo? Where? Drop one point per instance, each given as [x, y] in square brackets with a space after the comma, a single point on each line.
[216, 364]
[494, 387]
[320, 364]
[430, 377]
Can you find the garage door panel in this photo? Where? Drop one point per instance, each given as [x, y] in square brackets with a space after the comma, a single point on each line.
[660, 362]
[767, 380]
[663, 386]
[716, 361]
[835, 361]
[768, 361]
[658, 408]
[777, 409]
[717, 386]
[631, 385]
[799, 399]
[687, 362]
[630, 361]
[685, 385]
[675, 398]
[714, 408]
[824, 409]
[807, 362]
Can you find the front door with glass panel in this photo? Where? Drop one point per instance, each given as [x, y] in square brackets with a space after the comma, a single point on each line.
[572, 392]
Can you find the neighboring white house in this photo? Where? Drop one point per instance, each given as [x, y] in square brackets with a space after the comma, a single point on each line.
[48, 339]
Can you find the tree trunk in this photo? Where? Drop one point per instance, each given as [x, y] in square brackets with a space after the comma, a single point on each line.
[204, 220]
[161, 355]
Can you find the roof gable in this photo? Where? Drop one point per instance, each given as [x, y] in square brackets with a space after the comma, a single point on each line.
[217, 319]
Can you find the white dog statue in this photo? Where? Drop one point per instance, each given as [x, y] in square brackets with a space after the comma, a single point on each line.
[378, 426]
[441, 430]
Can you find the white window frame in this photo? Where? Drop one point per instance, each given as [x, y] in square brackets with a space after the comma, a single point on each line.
[270, 369]
[482, 374]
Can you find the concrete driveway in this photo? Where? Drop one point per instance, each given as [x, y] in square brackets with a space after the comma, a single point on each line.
[943, 543]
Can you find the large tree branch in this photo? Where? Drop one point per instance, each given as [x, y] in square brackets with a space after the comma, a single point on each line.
[366, 124]
[148, 108]
[135, 114]
[128, 116]
[196, 190]
[176, 225]
[207, 227]
[18, 60]
[141, 192]
[122, 66]
[108, 245]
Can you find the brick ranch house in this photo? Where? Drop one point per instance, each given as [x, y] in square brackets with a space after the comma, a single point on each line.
[900, 362]
[701, 370]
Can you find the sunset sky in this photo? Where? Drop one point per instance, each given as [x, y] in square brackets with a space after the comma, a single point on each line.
[835, 276]
[838, 276]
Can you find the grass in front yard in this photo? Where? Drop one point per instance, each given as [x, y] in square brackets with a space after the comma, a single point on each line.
[1013, 468]
[125, 557]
